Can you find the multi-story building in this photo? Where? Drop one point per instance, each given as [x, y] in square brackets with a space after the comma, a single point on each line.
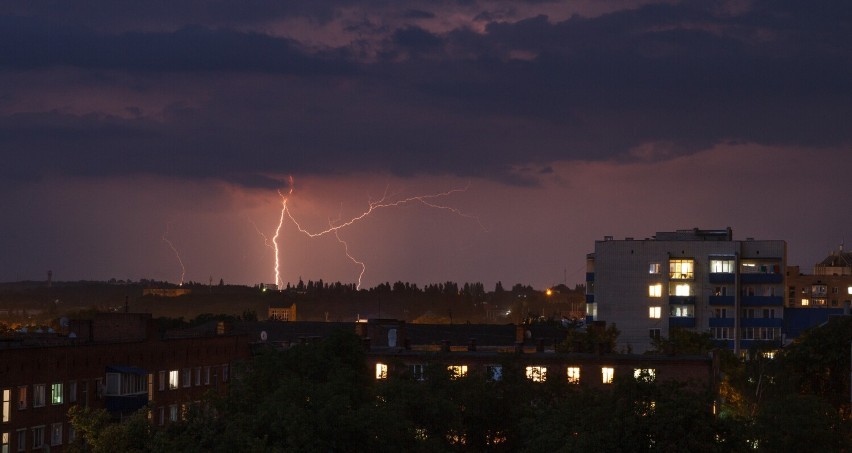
[701, 280]
[830, 285]
[119, 362]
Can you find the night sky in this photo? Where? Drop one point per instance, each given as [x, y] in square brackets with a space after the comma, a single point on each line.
[131, 127]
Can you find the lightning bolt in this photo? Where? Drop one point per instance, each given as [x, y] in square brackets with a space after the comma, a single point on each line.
[278, 281]
[386, 201]
[177, 254]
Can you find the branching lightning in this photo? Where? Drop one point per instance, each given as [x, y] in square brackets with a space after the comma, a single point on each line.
[177, 254]
[386, 201]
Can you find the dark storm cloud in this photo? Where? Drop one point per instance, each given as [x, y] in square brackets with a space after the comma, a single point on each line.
[33, 43]
[409, 99]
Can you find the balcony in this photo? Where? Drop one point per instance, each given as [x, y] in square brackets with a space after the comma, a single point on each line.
[682, 322]
[762, 322]
[681, 300]
[721, 277]
[761, 278]
[761, 301]
[721, 322]
[722, 300]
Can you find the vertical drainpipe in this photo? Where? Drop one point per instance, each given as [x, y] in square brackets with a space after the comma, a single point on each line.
[737, 292]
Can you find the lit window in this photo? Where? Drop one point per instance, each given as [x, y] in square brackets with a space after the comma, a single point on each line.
[457, 371]
[173, 379]
[655, 290]
[681, 269]
[645, 374]
[536, 373]
[5, 444]
[680, 289]
[592, 310]
[38, 395]
[56, 393]
[769, 355]
[607, 374]
[573, 375]
[722, 266]
[7, 405]
[654, 268]
[849, 290]
[806, 302]
[381, 371]
[654, 312]
[682, 311]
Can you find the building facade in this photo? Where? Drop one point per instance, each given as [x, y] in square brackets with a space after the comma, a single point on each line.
[118, 362]
[700, 280]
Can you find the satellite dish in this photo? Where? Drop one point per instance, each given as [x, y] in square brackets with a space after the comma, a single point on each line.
[262, 335]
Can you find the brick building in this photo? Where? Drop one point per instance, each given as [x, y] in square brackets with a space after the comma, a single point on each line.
[119, 362]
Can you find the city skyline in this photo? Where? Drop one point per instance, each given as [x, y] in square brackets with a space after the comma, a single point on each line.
[152, 141]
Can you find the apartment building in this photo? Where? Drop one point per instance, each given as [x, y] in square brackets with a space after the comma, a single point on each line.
[119, 362]
[701, 280]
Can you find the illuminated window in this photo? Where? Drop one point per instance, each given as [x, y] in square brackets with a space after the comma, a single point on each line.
[381, 371]
[645, 374]
[56, 395]
[5, 444]
[680, 289]
[536, 373]
[654, 268]
[769, 354]
[819, 290]
[592, 310]
[173, 379]
[722, 266]
[849, 290]
[654, 312]
[22, 397]
[38, 395]
[806, 302]
[655, 290]
[682, 311]
[607, 374]
[681, 269]
[457, 371]
[7, 405]
[573, 375]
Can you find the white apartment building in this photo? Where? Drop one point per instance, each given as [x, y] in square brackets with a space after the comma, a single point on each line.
[702, 280]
